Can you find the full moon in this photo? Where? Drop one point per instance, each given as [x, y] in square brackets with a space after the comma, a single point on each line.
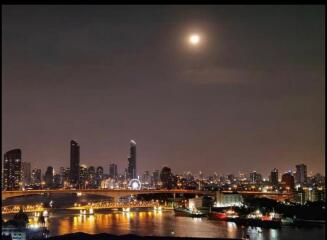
[194, 39]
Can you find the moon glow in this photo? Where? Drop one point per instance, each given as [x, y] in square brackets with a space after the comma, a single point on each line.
[194, 39]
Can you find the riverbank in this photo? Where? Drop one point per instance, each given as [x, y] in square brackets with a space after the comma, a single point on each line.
[105, 236]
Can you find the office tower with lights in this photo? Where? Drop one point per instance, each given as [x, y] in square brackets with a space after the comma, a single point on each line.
[12, 170]
[255, 177]
[301, 173]
[83, 177]
[74, 163]
[36, 177]
[132, 161]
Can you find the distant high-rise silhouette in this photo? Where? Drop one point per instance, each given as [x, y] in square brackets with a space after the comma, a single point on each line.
[48, 177]
[36, 177]
[301, 173]
[274, 177]
[26, 168]
[113, 170]
[132, 161]
[288, 181]
[12, 170]
[74, 163]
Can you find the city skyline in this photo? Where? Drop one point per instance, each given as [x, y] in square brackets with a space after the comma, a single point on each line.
[125, 169]
[229, 105]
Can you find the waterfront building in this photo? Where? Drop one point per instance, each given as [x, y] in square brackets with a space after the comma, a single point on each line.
[13, 232]
[228, 199]
[301, 174]
[131, 171]
[12, 170]
[74, 163]
[195, 203]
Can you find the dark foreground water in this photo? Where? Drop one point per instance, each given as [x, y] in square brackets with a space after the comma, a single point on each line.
[165, 223]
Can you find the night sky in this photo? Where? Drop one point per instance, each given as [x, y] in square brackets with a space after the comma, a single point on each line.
[249, 97]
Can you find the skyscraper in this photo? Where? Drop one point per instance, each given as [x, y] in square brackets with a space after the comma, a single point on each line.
[113, 170]
[132, 161]
[74, 163]
[288, 181]
[99, 175]
[83, 177]
[12, 170]
[167, 178]
[255, 177]
[36, 177]
[48, 177]
[274, 177]
[301, 173]
[26, 168]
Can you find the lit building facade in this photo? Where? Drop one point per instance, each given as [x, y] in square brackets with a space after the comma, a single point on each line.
[12, 170]
[36, 177]
[131, 171]
[228, 199]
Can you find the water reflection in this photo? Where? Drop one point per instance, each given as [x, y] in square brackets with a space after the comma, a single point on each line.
[164, 224]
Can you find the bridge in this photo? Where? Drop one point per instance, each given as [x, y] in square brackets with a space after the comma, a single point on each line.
[116, 205]
[114, 193]
[117, 193]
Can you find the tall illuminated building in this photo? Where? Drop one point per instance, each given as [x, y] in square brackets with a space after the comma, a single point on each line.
[12, 170]
[132, 161]
[74, 164]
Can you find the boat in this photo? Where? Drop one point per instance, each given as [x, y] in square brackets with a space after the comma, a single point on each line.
[229, 215]
[258, 223]
[186, 212]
